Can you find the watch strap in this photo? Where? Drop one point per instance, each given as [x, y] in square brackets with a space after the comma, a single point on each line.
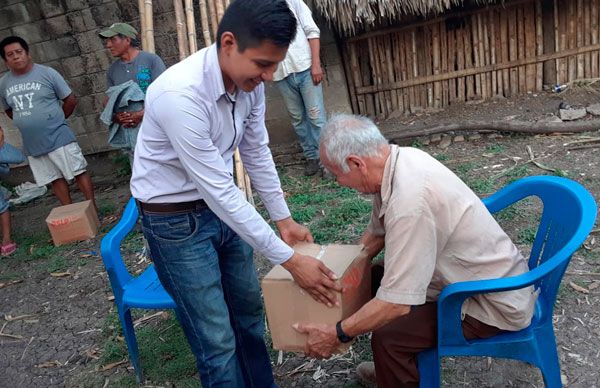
[343, 337]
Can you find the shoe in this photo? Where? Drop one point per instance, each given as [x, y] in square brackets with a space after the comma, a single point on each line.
[365, 372]
[8, 249]
[312, 167]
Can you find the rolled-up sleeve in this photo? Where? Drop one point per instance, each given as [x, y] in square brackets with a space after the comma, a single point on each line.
[304, 16]
[189, 134]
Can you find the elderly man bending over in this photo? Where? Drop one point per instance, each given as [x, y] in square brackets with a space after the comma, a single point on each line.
[436, 231]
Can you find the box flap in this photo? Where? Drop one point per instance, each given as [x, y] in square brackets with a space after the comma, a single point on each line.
[66, 211]
[335, 257]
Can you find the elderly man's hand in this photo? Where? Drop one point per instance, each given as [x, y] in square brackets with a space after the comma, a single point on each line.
[322, 339]
[292, 232]
[128, 119]
[315, 278]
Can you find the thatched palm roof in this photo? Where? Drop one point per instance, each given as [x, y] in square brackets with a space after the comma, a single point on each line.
[348, 16]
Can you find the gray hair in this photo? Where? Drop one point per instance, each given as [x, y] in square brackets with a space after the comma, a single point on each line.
[344, 135]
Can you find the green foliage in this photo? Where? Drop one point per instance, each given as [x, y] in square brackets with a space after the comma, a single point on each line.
[416, 144]
[527, 235]
[495, 148]
[106, 208]
[164, 352]
[482, 185]
[442, 157]
[122, 164]
[57, 264]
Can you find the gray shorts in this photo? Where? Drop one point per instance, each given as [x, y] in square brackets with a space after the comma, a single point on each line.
[64, 162]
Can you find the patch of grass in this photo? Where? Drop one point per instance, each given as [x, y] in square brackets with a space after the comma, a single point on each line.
[517, 173]
[562, 173]
[482, 185]
[164, 352]
[495, 148]
[106, 208]
[462, 170]
[57, 264]
[122, 164]
[527, 235]
[442, 157]
[507, 214]
[416, 144]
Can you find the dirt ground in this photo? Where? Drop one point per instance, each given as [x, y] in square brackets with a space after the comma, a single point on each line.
[50, 325]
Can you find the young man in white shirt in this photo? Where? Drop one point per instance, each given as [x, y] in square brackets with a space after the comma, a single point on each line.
[299, 78]
[200, 229]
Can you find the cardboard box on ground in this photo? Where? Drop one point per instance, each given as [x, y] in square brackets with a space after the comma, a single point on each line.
[286, 303]
[74, 222]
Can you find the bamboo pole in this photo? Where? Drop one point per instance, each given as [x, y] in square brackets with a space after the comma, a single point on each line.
[181, 30]
[212, 13]
[191, 26]
[219, 9]
[148, 31]
[204, 23]
[142, 25]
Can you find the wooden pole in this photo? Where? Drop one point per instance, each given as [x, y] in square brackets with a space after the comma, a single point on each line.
[204, 23]
[212, 13]
[191, 26]
[148, 31]
[182, 42]
[143, 25]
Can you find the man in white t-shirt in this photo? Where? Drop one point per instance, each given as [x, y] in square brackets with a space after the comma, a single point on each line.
[436, 232]
[299, 78]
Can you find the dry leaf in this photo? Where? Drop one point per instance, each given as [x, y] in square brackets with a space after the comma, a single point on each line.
[60, 274]
[594, 285]
[10, 318]
[10, 283]
[112, 365]
[579, 288]
[49, 364]
[111, 298]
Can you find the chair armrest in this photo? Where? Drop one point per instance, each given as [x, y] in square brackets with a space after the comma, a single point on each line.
[454, 295]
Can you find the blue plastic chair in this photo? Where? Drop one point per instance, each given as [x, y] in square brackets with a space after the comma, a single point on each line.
[568, 215]
[144, 291]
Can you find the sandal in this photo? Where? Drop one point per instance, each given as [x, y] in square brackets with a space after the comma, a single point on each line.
[8, 249]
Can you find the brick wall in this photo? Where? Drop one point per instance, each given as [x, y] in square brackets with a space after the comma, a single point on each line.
[63, 34]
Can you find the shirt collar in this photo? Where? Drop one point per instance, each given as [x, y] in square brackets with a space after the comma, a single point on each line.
[214, 73]
[387, 182]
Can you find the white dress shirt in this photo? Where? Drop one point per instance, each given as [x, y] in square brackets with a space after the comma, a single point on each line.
[298, 57]
[185, 149]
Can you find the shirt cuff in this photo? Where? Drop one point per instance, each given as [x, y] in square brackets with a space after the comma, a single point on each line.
[277, 251]
[406, 298]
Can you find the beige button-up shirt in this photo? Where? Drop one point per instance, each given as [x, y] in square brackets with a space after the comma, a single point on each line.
[438, 232]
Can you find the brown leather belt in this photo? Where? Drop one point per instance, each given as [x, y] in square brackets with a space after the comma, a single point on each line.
[172, 207]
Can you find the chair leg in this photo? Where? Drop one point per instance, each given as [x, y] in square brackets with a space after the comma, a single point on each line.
[548, 359]
[129, 333]
[429, 369]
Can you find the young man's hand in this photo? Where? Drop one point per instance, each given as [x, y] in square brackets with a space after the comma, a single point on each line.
[315, 278]
[292, 232]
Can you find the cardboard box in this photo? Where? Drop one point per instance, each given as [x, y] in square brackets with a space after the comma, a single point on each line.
[74, 222]
[286, 303]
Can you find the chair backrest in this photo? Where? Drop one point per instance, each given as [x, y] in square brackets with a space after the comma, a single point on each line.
[568, 215]
[110, 248]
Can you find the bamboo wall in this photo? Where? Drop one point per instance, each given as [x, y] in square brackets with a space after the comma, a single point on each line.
[495, 50]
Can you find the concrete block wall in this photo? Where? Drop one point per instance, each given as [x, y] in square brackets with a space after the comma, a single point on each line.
[63, 34]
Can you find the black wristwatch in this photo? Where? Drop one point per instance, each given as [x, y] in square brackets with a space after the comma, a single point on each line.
[343, 337]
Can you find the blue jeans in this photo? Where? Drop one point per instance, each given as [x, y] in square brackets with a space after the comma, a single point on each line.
[8, 155]
[209, 272]
[304, 102]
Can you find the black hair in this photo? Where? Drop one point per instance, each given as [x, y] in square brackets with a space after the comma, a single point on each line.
[254, 21]
[10, 40]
